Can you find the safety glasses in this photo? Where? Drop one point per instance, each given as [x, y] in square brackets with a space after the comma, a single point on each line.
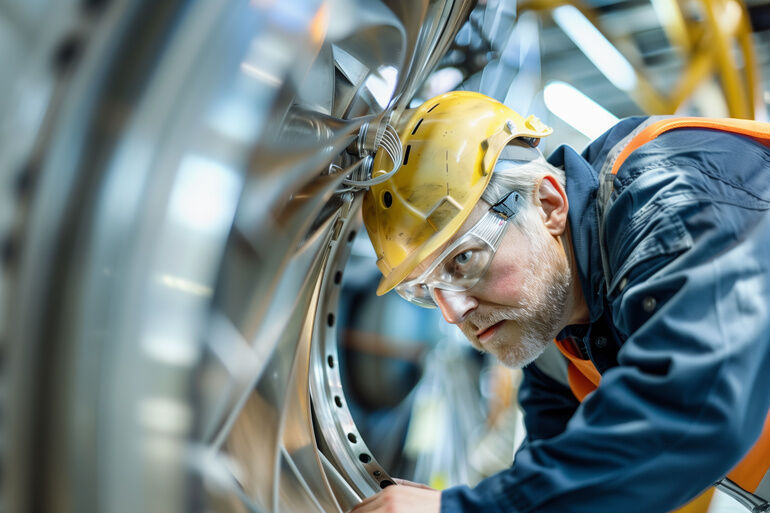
[464, 262]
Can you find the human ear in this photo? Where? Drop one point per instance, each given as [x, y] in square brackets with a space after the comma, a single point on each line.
[552, 200]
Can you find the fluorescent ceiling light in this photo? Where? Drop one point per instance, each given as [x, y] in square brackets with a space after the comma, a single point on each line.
[577, 109]
[596, 47]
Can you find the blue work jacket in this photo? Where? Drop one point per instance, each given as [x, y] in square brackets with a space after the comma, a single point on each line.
[681, 335]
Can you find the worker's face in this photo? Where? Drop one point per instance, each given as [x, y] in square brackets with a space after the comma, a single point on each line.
[520, 304]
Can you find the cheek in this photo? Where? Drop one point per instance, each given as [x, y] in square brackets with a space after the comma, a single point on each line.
[506, 285]
[511, 271]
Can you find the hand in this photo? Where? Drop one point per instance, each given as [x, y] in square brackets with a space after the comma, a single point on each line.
[407, 498]
[404, 482]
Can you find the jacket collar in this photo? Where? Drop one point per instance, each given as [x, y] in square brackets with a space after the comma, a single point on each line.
[582, 185]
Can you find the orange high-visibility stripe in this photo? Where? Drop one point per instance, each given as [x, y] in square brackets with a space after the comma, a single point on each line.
[582, 375]
[699, 504]
[753, 129]
[748, 473]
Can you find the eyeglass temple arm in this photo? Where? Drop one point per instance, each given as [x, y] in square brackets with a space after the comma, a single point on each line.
[509, 206]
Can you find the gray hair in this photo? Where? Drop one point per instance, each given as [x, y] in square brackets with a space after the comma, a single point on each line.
[515, 174]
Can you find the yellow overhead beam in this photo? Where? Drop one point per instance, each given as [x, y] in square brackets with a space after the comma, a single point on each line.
[671, 18]
[723, 18]
[699, 68]
[708, 46]
[750, 67]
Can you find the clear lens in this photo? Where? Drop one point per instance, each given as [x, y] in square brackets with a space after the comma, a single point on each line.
[460, 266]
[417, 293]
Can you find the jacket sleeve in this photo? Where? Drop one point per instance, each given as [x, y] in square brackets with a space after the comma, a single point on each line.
[690, 393]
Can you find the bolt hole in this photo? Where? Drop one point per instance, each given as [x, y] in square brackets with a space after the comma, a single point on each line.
[338, 277]
[330, 320]
[351, 236]
[352, 438]
[365, 458]
[377, 473]
[9, 250]
[330, 361]
[387, 199]
[338, 401]
[94, 5]
[24, 180]
[67, 52]
[385, 483]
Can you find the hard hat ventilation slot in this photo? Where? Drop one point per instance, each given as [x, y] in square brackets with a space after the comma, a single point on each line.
[434, 107]
[387, 199]
[406, 153]
[414, 130]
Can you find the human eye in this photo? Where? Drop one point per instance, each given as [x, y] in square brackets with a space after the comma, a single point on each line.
[464, 257]
[463, 263]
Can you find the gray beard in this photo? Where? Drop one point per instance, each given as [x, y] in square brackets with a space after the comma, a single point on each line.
[539, 317]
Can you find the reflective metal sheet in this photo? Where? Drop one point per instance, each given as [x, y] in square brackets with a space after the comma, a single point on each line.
[182, 240]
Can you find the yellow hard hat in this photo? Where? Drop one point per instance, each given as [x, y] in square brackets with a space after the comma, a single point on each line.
[450, 146]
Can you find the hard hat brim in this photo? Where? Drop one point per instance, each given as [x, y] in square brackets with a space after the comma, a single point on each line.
[397, 275]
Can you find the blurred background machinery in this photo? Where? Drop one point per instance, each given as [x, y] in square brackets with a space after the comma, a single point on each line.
[187, 320]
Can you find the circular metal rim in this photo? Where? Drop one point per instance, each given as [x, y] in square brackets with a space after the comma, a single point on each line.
[349, 451]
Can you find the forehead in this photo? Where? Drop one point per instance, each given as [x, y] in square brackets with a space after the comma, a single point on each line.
[476, 214]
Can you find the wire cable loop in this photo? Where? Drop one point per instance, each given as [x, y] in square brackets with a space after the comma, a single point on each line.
[391, 143]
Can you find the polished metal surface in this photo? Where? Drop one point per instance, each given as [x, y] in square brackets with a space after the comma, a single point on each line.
[751, 502]
[180, 184]
[176, 225]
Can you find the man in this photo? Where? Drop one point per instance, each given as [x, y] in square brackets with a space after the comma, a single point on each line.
[646, 258]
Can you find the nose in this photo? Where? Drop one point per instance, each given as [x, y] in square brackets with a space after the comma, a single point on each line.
[454, 306]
